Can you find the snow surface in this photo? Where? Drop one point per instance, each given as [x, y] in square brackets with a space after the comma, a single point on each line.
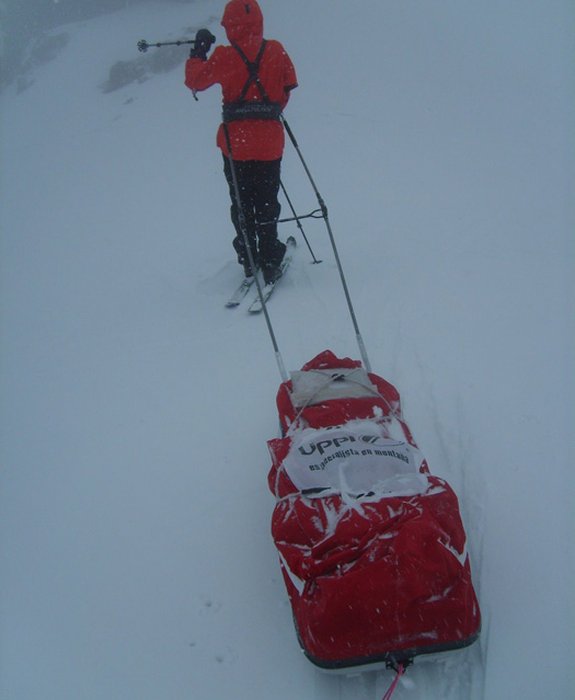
[136, 560]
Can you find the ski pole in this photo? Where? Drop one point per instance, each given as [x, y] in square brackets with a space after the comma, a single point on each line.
[297, 219]
[144, 45]
[333, 245]
[243, 229]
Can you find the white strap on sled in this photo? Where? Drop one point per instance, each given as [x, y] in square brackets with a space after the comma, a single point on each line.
[314, 386]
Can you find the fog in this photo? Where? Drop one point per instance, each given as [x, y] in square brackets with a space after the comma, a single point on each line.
[135, 556]
[24, 23]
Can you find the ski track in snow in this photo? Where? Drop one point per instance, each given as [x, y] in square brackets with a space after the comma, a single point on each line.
[135, 551]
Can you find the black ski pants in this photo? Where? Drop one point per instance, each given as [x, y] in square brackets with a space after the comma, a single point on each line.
[258, 183]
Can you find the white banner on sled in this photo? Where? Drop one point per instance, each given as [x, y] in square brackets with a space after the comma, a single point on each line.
[356, 458]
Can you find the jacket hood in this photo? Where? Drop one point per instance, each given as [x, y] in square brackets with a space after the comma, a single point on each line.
[243, 22]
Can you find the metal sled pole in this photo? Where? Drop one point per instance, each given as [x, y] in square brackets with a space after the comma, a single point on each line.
[297, 219]
[358, 336]
[243, 228]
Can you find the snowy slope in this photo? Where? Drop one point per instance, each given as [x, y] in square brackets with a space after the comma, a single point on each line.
[135, 551]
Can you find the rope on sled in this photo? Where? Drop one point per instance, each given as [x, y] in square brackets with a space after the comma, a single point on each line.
[393, 686]
[333, 377]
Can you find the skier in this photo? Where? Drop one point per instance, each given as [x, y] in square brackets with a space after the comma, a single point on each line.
[257, 77]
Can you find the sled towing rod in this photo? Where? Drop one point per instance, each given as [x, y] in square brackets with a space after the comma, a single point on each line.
[244, 231]
[325, 217]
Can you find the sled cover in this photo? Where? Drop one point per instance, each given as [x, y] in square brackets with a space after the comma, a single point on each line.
[371, 545]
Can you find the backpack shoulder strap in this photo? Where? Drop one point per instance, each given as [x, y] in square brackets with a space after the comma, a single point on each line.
[253, 71]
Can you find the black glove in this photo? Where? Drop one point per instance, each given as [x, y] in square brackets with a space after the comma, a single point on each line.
[203, 42]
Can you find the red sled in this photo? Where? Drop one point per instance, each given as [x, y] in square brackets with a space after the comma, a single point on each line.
[371, 545]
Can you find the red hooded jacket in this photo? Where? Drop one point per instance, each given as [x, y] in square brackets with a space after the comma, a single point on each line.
[251, 139]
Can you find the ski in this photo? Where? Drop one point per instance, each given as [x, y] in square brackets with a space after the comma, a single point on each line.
[256, 306]
[240, 293]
